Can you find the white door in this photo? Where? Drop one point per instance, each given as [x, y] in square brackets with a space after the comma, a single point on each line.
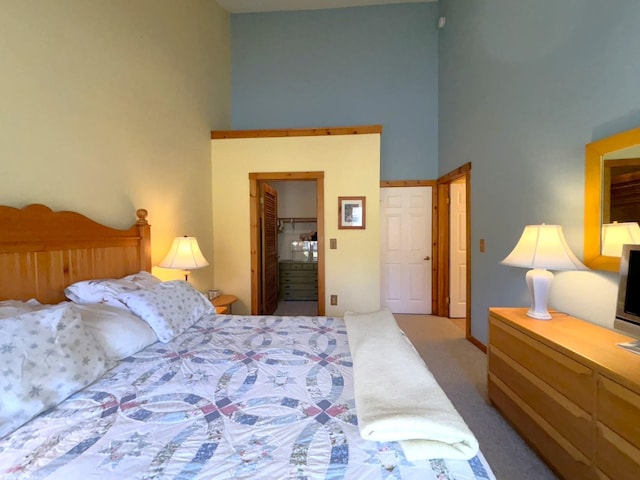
[458, 250]
[405, 227]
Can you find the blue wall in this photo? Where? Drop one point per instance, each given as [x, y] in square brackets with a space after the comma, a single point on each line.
[523, 87]
[348, 66]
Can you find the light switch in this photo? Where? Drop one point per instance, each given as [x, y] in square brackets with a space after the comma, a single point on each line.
[482, 249]
[333, 243]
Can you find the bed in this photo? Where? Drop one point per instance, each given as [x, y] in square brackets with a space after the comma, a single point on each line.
[206, 396]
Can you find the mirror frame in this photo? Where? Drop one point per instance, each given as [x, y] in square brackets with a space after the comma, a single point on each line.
[594, 152]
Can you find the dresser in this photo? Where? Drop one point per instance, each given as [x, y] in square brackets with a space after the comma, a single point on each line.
[298, 280]
[571, 393]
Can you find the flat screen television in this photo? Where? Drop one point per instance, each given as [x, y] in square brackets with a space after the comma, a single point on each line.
[628, 305]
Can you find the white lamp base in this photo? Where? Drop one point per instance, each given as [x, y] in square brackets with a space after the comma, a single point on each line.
[539, 284]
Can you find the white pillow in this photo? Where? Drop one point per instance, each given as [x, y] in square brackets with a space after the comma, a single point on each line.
[143, 279]
[119, 331]
[46, 355]
[169, 307]
[106, 290]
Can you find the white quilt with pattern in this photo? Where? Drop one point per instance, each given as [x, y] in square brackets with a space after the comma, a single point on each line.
[233, 397]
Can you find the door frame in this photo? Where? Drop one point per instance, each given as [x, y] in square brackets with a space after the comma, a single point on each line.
[255, 179]
[444, 232]
[434, 210]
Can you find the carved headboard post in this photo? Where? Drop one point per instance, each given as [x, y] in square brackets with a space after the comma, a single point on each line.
[145, 239]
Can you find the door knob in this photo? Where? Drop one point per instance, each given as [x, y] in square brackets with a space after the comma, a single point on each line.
[427, 257]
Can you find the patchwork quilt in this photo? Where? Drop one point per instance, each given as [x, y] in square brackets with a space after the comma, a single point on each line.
[232, 397]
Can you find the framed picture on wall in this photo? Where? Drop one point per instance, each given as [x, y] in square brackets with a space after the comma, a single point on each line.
[352, 213]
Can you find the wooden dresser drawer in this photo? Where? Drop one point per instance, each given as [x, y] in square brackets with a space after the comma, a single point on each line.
[299, 275]
[298, 292]
[574, 380]
[298, 288]
[565, 416]
[619, 409]
[309, 266]
[566, 459]
[615, 457]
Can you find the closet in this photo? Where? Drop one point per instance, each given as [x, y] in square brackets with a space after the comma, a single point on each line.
[297, 241]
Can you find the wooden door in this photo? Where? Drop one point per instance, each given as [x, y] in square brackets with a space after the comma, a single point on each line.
[458, 249]
[405, 227]
[269, 238]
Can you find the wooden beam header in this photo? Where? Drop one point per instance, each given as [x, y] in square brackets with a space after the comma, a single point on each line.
[296, 132]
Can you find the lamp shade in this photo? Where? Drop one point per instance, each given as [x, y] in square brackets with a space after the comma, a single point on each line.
[615, 235]
[543, 247]
[184, 254]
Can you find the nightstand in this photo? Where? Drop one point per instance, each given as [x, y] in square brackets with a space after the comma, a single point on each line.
[223, 303]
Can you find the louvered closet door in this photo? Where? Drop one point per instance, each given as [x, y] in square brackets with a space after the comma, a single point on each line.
[269, 250]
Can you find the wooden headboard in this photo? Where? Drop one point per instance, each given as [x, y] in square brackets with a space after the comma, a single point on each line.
[42, 251]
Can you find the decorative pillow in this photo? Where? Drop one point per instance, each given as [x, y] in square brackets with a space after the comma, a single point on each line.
[169, 307]
[46, 355]
[106, 290]
[119, 331]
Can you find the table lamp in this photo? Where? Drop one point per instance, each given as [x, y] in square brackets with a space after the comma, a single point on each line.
[542, 247]
[615, 235]
[184, 254]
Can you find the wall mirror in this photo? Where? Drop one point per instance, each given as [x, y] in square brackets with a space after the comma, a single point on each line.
[612, 195]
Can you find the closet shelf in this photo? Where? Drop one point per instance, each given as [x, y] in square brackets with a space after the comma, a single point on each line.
[297, 219]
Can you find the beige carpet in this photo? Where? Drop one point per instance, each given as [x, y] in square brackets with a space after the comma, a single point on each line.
[299, 307]
[460, 369]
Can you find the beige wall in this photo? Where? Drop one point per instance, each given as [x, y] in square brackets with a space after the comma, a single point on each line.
[351, 164]
[107, 106]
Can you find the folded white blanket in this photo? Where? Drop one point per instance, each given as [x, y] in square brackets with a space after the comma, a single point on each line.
[397, 398]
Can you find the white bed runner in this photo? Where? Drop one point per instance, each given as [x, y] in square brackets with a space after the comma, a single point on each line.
[397, 397]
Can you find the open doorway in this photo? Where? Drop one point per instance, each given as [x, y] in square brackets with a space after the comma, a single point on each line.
[454, 255]
[458, 249]
[259, 275]
[297, 242]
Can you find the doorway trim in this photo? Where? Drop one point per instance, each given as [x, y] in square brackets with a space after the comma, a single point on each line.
[255, 179]
[444, 231]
